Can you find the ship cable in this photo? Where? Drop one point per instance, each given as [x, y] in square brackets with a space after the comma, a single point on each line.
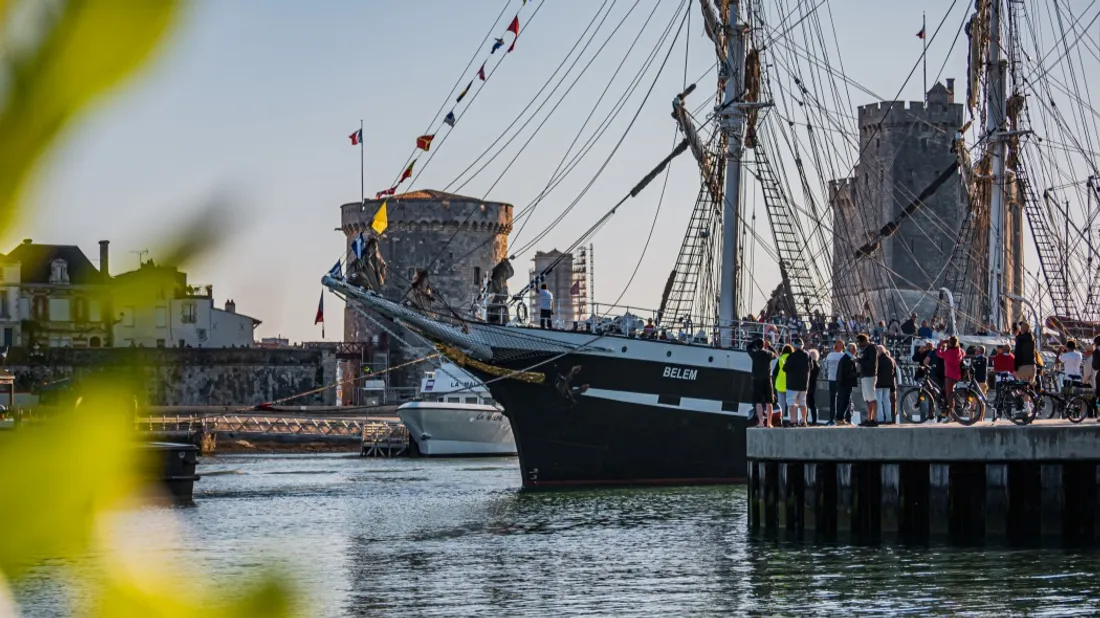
[614, 151]
[538, 95]
[465, 72]
[476, 94]
[538, 129]
[604, 125]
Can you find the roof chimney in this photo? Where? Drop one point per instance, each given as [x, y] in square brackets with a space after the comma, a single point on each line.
[230, 306]
[105, 257]
[27, 241]
[950, 89]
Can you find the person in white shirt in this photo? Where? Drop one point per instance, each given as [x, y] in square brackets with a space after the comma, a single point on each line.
[1071, 362]
[832, 363]
[546, 307]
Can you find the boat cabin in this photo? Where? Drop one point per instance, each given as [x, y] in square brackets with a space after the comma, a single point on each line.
[451, 384]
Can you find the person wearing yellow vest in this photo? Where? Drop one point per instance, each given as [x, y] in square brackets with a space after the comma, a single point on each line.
[781, 378]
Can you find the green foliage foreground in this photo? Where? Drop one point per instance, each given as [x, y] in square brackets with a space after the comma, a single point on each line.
[61, 482]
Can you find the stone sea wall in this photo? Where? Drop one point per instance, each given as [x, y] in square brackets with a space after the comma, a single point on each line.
[182, 377]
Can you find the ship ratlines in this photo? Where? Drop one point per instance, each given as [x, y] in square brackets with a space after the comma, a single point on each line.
[663, 396]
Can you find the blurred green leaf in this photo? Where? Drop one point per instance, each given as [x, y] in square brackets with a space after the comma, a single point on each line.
[58, 476]
[202, 232]
[124, 598]
[92, 46]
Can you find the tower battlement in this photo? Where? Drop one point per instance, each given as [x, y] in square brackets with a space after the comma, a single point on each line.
[940, 109]
[459, 239]
[428, 210]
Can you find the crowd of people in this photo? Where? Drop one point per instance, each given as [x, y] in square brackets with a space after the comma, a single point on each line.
[784, 381]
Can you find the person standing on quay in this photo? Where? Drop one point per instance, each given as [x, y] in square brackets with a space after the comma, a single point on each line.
[811, 395]
[780, 376]
[832, 367]
[1096, 364]
[868, 371]
[847, 378]
[952, 356]
[1025, 353]
[885, 384]
[546, 307]
[1071, 363]
[763, 395]
[797, 369]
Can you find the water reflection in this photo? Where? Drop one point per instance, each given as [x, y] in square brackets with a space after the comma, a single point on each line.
[369, 538]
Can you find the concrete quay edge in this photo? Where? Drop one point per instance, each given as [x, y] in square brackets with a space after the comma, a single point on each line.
[1042, 441]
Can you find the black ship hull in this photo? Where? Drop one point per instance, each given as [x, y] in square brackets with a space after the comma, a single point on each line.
[623, 422]
[598, 409]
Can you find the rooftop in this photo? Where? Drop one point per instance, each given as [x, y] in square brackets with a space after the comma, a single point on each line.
[36, 259]
[424, 195]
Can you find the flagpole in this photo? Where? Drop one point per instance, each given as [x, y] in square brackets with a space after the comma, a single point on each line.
[924, 54]
[362, 167]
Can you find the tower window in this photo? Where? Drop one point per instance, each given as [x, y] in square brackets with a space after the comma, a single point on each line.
[477, 275]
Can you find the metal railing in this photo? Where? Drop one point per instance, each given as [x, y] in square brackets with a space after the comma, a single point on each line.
[261, 424]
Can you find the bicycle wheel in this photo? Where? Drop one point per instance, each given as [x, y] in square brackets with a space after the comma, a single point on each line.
[968, 407]
[1048, 406]
[1020, 404]
[1078, 408]
[917, 405]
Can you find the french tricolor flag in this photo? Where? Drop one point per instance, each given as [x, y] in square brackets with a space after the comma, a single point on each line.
[357, 137]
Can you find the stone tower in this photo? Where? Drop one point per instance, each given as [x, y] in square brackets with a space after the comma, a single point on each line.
[464, 237]
[903, 149]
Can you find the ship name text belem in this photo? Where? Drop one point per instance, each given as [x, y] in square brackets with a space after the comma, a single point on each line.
[681, 373]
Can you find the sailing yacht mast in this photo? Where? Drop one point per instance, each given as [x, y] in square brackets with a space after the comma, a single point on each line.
[732, 114]
[994, 129]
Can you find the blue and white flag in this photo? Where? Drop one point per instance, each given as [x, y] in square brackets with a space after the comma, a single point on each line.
[359, 246]
[336, 271]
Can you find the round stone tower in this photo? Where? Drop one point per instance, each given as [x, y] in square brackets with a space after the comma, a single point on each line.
[420, 228]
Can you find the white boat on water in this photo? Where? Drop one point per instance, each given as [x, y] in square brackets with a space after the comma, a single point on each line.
[456, 416]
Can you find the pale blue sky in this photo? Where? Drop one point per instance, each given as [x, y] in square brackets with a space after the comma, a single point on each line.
[257, 98]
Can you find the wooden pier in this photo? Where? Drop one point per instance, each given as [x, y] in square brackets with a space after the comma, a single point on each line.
[383, 436]
[927, 482]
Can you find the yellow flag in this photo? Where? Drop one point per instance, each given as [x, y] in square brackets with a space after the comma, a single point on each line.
[379, 224]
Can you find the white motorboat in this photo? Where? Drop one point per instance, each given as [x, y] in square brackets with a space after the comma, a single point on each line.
[456, 416]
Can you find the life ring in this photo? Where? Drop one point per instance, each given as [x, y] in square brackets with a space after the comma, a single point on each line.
[521, 313]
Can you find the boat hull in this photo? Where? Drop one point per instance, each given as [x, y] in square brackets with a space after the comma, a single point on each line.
[606, 442]
[641, 432]
[591, 409]
[457, 430]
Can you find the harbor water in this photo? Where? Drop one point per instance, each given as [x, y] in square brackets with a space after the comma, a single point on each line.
[373, 537]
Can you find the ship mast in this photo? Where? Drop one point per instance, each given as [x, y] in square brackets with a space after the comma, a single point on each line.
[994, 130]
[732, 117]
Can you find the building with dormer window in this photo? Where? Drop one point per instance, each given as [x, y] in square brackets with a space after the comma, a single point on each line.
[53, 296]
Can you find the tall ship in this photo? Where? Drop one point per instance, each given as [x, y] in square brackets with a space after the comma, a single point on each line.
[899, 209]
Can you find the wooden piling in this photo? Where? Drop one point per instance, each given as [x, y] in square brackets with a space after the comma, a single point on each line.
[890, 478]
[996, 499]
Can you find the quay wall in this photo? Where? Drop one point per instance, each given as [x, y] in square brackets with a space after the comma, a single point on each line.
[182, 376]
[962, 485]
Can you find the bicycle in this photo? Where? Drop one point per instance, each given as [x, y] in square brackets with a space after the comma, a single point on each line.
[1057, 404]
[967, 399]
[1083, 404]
[1013, 399]
[1050, 403]
[923, 402]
